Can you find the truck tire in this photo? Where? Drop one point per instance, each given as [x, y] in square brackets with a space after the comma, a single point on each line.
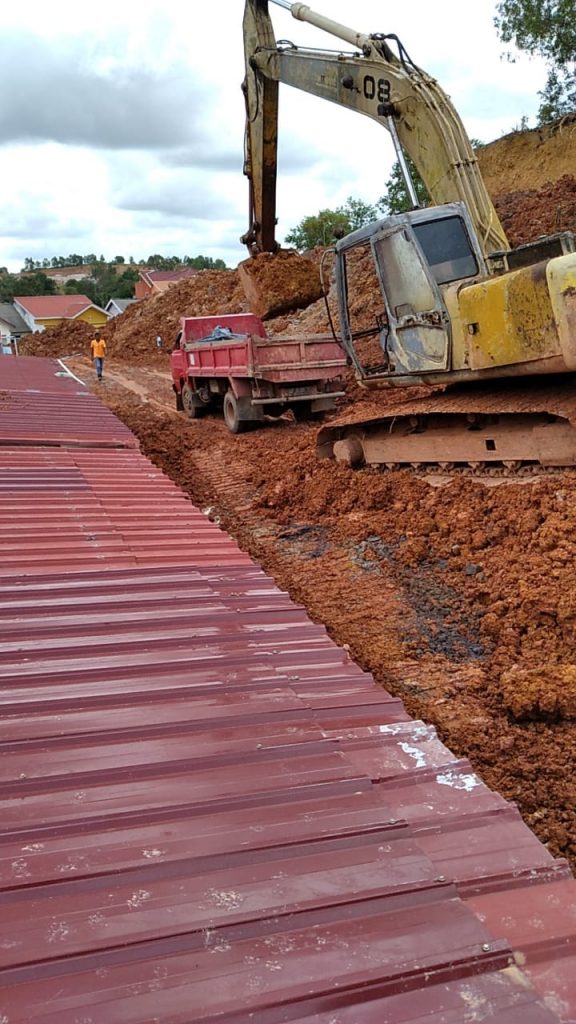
[188, 403]
[232, 414]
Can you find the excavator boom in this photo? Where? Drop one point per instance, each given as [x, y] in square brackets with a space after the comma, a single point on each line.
[372, 81]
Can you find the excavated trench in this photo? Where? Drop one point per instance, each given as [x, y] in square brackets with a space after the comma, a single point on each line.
[458, 599]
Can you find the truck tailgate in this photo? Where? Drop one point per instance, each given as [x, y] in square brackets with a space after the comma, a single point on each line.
[281, 358]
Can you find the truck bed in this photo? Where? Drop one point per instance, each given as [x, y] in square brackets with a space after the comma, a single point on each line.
[278, 360]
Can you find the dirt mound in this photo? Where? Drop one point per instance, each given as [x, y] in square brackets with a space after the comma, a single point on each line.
[209, 293]
[320, 316]
[68, 338]
[281, 283]
[547, 693]
[527, 215]
[529, 159]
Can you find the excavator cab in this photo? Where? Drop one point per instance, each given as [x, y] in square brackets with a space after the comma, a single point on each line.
[414, 256]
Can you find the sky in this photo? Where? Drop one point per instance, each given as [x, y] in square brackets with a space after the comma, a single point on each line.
[122, 124]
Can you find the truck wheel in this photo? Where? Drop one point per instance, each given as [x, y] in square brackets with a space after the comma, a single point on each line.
[188, 404]
[232, 414]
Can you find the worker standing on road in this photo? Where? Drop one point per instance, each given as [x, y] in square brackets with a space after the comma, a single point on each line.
[98, 350]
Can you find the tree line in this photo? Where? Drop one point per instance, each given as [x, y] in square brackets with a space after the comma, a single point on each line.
[113, 279]
[154, 262]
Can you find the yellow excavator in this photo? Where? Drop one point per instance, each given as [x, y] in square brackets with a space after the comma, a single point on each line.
[489, 331]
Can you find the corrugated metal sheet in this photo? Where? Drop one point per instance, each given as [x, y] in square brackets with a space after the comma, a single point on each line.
[41, 405]
[79, 508]
[209, 813]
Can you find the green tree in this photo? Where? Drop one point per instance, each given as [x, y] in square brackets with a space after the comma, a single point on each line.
[125, 285]
[360, 213]
[86, 286]
[558, 97]
[108, 283]
[396, 198]
[100, 268]
[319, 229]
[546, 28]
[203, 263]
[326, 226]
[36, 283]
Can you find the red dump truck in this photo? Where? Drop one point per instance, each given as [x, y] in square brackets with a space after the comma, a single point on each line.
[229, 363]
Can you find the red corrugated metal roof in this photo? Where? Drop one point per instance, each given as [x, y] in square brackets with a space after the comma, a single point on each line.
[26, 374]
[40, 405]
[209, 813]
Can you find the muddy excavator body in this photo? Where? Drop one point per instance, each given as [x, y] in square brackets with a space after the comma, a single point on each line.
[483, 335]
[489, 333]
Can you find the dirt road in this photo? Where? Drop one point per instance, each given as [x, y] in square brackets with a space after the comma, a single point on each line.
[458, 599]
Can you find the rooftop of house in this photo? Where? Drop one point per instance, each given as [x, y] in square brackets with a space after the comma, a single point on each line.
[169, 275]
[57, 307]
[120, 304]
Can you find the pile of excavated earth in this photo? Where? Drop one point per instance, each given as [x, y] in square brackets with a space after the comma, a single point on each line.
[459, 598]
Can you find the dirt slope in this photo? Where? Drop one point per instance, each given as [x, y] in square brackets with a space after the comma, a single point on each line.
[529, 159]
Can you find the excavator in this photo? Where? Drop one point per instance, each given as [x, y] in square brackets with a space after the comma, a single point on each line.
[486, 333]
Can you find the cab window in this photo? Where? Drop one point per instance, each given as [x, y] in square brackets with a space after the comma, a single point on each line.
[447, 249]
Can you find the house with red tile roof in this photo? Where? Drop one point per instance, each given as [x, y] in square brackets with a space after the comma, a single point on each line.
[41, 311]
[155, 281]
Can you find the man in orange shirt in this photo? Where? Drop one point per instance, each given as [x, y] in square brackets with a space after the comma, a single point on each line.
[98, 350]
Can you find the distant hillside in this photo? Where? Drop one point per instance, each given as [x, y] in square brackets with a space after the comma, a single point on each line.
[63, 274]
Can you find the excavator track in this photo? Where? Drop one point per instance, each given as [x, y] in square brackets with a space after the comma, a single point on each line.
[494, 428]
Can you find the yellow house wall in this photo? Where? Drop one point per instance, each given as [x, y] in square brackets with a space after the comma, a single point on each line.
[47, 321]
[92, 316]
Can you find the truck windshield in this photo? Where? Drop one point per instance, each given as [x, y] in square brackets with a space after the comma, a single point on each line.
[447, 249]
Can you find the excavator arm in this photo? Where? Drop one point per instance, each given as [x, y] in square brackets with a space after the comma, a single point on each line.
[261, 139]
[374, 81]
